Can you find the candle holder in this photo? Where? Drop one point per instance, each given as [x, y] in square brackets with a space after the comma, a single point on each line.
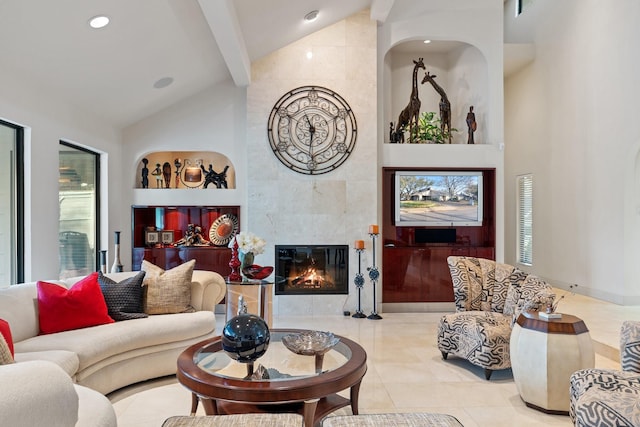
[374, 275]
[359, 282]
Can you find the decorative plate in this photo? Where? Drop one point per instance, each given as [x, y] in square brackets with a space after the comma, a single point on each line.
[310, 343]
[223, 229]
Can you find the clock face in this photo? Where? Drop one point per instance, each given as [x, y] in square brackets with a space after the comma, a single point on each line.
[312, 130]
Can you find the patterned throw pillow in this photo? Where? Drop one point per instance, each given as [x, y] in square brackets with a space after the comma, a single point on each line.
[80, 306]
[124, 299]
[168, 291]
[5, 331]
[5, 353]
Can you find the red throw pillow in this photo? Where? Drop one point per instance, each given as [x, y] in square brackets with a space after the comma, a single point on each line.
[61, 309]
[5, 331]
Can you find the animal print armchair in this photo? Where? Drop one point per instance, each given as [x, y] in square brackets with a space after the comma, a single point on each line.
[489, 297]
[608, 397]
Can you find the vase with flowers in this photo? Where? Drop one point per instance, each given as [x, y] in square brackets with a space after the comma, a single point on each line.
[249, 245]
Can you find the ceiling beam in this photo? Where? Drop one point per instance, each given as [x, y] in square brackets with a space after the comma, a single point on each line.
[380, 9]
[223, 21]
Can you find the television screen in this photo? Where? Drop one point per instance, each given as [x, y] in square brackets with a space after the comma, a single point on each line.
[426, 198]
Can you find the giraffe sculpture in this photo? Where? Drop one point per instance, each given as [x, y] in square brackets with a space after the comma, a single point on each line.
[409, 116]
[445, 105]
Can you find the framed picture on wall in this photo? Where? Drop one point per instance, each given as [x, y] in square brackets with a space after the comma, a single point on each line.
[166, 237]
[151, 237]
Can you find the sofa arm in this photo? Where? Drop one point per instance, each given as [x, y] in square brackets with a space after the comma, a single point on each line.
[37, 393]
[630, 346]
[208, 288]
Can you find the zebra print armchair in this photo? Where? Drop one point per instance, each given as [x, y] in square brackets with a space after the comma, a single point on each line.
[607, 397]
[489, 297]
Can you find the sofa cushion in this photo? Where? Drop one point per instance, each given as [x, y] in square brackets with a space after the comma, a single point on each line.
[98, 343]
[414, 419]
[236, 420]
[67, 360]
[5, 331]
[61, 309]
[124, 299]
[168, 291]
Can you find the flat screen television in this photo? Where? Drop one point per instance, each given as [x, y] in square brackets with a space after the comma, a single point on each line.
[438, 198]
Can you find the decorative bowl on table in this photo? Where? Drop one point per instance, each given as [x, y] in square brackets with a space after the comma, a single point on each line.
[257, 272]
[310, 343]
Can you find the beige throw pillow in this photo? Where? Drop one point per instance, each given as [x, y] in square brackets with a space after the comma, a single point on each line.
[167, 291]
[5, 353]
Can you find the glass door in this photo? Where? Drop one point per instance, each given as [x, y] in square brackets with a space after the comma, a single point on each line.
[11, 204]
[78, 199]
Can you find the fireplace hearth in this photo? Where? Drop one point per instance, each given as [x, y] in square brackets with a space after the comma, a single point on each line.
[312, 269]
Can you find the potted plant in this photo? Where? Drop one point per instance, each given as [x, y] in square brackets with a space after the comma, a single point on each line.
[429, 130]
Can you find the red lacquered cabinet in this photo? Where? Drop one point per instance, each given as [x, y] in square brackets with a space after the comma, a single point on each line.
[176, 219]
[418, 272]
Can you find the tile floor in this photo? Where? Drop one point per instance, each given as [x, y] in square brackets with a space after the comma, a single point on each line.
[405, 371]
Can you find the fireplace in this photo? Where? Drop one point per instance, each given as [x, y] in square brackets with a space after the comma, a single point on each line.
[312, 269]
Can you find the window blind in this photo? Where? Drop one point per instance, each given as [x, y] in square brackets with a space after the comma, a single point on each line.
[525, 219]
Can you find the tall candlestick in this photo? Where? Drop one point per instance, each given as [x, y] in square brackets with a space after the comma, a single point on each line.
[359, 282]
[359, 244]
[374, 274]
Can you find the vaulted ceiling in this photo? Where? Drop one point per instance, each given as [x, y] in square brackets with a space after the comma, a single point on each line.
[48, 45]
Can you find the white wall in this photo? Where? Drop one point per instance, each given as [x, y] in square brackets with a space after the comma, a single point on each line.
[286, 207]
[48, 118]
[571, 121]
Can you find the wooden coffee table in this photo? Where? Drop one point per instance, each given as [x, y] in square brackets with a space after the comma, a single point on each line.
[294, 386]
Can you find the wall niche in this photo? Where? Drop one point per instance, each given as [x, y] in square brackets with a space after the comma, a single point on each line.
[185, 170]
[458, 68]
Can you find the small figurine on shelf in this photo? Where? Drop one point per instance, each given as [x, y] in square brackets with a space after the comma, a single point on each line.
[166, 173]
[145, 173]
[178, 165]
[193, 237]
[157, 172]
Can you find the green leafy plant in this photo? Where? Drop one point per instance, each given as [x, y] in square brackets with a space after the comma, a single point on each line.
[429, 129]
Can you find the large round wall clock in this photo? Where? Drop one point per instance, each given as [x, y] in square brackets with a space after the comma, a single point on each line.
[312, 130]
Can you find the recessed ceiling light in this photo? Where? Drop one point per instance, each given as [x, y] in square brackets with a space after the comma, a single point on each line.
[99, 21]
[311, 16]
[309, 55]
[163, 82]
[427, 41]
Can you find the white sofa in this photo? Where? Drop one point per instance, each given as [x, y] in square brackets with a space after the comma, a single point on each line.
[108, 357]
[40, 393]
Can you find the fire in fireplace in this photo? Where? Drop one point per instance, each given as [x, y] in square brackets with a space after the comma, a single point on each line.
[312, 269]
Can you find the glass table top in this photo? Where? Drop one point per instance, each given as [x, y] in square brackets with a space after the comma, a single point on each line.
[280, 363]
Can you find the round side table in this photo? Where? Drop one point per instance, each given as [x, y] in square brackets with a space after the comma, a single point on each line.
[544, 354]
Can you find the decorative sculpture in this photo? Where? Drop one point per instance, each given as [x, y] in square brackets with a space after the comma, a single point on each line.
[409, 116]
[471, 124]
[178, 164]
[445, 105]
[166, 173]
[219, 179]
[193, 237]
[157, 172]
[145, 173]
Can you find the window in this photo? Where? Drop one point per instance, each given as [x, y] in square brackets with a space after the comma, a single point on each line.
[525, 219]
[11, 203]
[78, 197]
